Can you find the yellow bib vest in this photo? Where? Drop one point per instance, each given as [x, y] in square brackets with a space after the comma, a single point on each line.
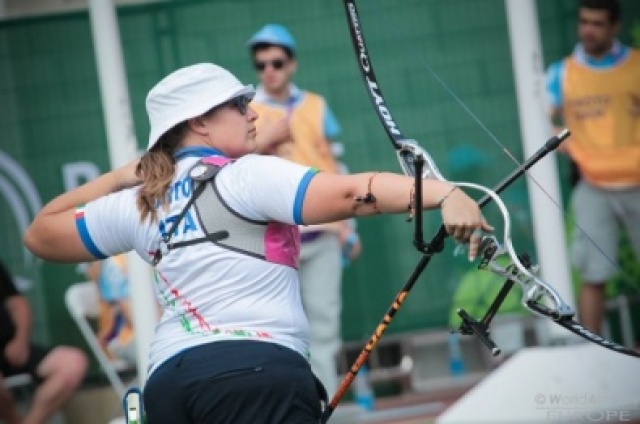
[308, 146]
[602, 110]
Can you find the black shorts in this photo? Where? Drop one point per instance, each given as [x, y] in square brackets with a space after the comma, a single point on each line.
[233, 382]
[36, 356]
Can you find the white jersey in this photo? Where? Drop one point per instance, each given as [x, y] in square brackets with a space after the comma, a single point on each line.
[209, 293]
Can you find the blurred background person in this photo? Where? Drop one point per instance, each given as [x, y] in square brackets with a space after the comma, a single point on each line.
[57, 372]
[298, 125]
[115, 328]
[595, 92]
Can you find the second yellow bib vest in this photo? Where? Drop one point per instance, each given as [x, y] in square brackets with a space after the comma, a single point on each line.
[602, 110]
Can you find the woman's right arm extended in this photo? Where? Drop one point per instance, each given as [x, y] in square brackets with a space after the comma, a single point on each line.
[332, 197]
[53, 235]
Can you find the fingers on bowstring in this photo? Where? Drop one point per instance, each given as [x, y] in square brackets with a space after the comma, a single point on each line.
[450, 229]
[486, 226]
[462, 233]
[474, 242]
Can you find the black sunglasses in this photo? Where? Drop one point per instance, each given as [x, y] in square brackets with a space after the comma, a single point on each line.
[241, 103]
[261, 65]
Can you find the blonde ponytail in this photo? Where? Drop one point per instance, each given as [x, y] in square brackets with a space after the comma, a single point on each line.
[157, 169]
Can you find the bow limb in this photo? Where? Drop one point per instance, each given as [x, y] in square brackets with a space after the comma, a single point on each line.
[538, 296]
[407, 150]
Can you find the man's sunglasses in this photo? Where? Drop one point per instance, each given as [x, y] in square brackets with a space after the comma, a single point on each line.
[261, 65]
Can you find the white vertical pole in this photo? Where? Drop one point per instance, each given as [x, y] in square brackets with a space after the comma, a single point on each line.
[535, 128]
[113, 82]
[122, 149]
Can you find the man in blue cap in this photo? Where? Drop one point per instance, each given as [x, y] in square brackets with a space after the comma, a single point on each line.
[298, 125]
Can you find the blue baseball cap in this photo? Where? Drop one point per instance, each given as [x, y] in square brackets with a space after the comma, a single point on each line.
[273, 34]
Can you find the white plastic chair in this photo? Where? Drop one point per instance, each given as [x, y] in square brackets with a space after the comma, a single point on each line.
[22, 385]
[83, 303]
[18, 380]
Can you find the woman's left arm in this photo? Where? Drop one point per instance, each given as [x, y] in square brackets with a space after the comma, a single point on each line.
[53, 235]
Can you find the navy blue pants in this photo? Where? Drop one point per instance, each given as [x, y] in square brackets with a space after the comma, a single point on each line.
[233, 382]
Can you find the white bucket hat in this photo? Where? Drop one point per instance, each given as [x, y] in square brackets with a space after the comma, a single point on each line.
[190, 92]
